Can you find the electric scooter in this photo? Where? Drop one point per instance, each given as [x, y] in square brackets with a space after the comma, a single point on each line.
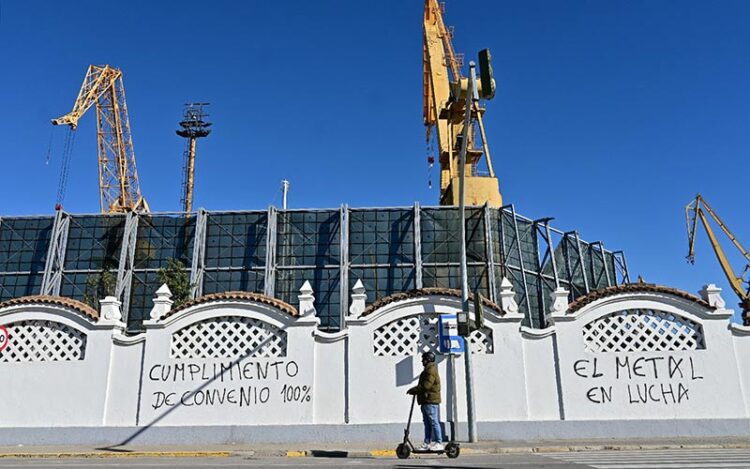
[404, 450]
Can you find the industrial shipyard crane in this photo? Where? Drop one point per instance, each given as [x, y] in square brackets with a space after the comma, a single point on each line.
[118, 178]
[696, 210]
[445, 91]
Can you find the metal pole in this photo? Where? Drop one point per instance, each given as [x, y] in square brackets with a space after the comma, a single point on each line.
[471, 97]
[285, 191]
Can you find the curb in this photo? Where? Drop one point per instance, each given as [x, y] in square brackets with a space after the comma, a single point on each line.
[377, 453]
[134, 454]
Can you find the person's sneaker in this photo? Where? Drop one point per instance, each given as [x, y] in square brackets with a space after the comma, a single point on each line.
[424, 447]
[436, 446]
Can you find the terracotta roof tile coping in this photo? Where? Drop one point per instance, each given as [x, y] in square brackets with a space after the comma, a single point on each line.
[236, 295]
[633, 288]
[424, 292]
[75, 305]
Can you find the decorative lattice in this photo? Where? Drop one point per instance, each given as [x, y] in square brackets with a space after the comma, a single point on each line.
[43, 341]
[417, 334]
[642, 330]
[228, 337]
[481, 341]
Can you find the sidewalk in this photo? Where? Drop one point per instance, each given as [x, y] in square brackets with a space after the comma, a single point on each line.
[363, 449]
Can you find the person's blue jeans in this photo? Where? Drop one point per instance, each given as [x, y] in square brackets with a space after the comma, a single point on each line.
[431, 419]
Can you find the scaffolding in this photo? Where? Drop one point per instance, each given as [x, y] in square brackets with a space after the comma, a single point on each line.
[390, 249]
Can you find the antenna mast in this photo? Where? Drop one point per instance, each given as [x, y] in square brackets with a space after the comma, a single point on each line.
[194, 126]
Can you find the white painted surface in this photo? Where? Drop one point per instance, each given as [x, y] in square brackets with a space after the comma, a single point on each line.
[236, 389]
[648, 385]
[530, 376]
[56, 393]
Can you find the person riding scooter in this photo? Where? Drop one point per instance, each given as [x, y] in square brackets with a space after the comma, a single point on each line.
[427, 391]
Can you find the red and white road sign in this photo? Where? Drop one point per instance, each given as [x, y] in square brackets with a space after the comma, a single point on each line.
[4, 338]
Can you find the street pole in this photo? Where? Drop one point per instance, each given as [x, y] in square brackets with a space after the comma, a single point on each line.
[471, 95]
[284, 192]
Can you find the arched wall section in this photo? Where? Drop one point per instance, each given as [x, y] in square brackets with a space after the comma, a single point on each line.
[647, 355]
[229, 362]
[57, 361]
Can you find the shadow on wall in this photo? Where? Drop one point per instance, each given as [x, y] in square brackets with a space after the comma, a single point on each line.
[405, 371]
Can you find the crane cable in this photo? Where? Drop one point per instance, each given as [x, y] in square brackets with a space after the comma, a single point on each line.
[70, 138]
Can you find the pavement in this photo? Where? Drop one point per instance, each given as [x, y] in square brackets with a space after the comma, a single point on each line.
[374, 449]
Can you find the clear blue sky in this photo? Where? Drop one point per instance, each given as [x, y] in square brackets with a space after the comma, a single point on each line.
[609, 116]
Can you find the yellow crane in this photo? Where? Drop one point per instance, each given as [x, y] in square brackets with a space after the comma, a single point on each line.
[696, 210]
[445, 91]
[118, 177]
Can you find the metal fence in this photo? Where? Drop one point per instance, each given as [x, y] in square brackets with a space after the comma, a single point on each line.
[274, 251]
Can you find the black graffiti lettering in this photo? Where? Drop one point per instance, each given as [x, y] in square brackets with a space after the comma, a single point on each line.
[209, 396]
[289, 366]
[163, 399]
[693, 376]
[183, 399]
[193, 369]
[682, 393]
[204, 376]
[674, 367]
[653, 361]
[231, 396]
[578, 369]
[247, 371]
[637, 367]
[179, 368]
[600, 394]
[624, 364]
[151, 373]
[248, 395]
[596, 374]
[224, 369]
[644, 396]
[214, 396]
[630, 396]
[651, 393]
[667, 391]
[264, 395]
[262, 370]
[275, 366]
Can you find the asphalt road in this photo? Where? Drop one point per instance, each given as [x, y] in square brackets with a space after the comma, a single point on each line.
[636, 459]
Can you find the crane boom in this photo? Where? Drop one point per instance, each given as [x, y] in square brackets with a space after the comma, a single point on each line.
[444, 111]
[118, 177]
[696, 211]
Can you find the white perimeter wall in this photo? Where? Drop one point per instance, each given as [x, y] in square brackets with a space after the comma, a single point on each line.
[242, 362]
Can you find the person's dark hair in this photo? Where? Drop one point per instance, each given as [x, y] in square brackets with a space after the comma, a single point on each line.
[429, 356]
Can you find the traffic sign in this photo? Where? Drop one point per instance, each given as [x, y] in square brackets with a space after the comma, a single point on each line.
[4, 338]
[450, 341]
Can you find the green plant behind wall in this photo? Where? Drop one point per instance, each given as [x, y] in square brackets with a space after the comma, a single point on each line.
[99, 286]
[177, 279]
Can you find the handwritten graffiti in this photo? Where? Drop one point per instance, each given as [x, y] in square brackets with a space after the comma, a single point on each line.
[639, 380]
[270, 384]
[230, 371]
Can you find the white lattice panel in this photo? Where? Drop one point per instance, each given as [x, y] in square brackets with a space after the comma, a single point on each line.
[642, 330]
[228, 337]
[481, 341]
[417, 334]
[43, 341]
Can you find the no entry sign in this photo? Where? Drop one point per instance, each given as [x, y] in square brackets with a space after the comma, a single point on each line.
[3, 338]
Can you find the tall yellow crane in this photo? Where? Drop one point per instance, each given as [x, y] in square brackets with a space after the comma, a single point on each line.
[118, 177]
[696, 210]
[445, 91]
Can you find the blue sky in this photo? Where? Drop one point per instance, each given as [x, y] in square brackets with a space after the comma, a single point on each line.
[609, 115]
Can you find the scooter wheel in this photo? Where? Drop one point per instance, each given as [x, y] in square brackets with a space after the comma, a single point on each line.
[452, 450]
[403, 451]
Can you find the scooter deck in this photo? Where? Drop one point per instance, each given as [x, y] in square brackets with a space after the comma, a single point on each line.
[428, 451]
